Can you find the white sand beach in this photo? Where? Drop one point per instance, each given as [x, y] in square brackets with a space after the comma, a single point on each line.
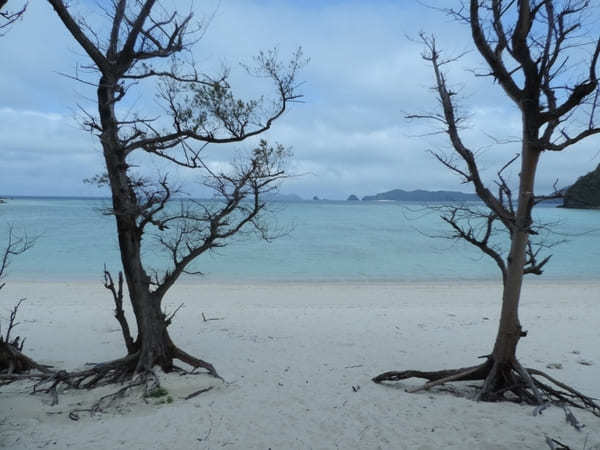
[298, 359]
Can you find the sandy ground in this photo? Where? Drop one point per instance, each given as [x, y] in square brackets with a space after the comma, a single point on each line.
[298, 358]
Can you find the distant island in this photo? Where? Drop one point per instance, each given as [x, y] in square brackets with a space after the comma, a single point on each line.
[278, 197]
[422, 196]
[585, 192]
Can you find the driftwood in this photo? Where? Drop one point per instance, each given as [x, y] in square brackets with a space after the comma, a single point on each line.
[197, 393]
[555, 444]
[206, 319]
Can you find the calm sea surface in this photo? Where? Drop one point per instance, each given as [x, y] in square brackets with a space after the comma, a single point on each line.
[326, 241]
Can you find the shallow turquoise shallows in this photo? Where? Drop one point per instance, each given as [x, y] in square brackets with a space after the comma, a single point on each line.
[326, 241]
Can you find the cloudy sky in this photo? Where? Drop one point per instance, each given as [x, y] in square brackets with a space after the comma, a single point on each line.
[349, 136]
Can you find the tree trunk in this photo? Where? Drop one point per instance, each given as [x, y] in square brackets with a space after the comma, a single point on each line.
[509, 330]
[153, 344]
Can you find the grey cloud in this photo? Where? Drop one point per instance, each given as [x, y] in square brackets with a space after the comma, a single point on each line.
[350, 135]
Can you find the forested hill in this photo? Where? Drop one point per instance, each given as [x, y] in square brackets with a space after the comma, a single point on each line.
[585, 193]
[422, 196]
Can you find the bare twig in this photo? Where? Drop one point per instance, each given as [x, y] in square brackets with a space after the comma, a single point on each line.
[197, 393]
[117, 293]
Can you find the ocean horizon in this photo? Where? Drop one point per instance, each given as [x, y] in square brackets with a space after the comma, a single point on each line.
[320, 241]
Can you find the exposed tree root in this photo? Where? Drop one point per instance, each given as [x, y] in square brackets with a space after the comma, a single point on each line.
[15, 365]
[116, 371]
[148, 380]
[127, 371]
[195, 362]
[145, 357]
[510, 382]
[13, 362]
[133, 370]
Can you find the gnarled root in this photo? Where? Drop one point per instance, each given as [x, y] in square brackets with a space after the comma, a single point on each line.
[15, 365]
[508, 381]
[195, 362]
[119, 370]
[13, 362]
[148, 380]
[133, 370]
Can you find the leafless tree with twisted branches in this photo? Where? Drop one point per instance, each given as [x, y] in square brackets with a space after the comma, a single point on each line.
[13, 362]
[145, 42]
[526, 45]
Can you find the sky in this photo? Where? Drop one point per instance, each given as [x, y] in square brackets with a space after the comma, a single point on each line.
[348, 136]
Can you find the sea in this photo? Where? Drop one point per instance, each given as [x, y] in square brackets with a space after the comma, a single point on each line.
[314, 241]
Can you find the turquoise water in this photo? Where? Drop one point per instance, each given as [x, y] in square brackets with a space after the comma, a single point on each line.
[322, 241]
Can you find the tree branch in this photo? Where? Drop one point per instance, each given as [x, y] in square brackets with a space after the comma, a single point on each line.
[76, 31]
[7, 18]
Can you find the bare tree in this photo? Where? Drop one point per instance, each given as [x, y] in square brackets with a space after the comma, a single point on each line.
[12, 359]
[527, 45]
[8, 17]
[147, 43]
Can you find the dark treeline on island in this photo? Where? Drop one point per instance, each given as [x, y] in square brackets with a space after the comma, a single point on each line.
[422, 196]
[418, 195]
[394, 195]
[585, 192]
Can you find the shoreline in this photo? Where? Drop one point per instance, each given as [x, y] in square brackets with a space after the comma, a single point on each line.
[196, 294]
[314, 281]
